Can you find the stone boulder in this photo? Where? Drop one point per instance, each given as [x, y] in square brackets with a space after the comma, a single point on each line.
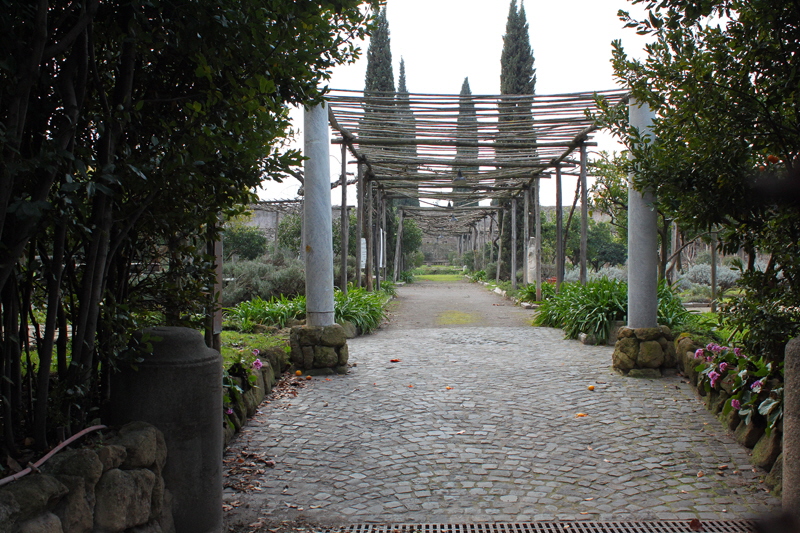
[123, 500]
[81, 463]
[767, 450]
[75, 509]
[651, 355]
[9, 511]
[648, 334]
[35, 493]
[774, 479]
[44, 523]
[144, 446]
[112, 456]
[626, 352]
[317, 348]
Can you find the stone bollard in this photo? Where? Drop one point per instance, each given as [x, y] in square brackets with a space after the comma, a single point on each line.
[178, 389]
[791, 429]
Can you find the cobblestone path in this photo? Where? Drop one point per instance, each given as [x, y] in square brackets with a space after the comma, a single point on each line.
[482, 423]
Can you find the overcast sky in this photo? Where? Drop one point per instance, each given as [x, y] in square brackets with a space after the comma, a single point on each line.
[444, 41]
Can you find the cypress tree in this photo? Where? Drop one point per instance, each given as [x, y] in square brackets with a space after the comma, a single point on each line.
[380, 76]
[466, 130]
[407, 123]
[517, 77]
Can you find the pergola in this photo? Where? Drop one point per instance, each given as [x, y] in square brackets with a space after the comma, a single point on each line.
[460, 158]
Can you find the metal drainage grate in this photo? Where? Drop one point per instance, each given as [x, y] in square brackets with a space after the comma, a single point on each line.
[666, 526]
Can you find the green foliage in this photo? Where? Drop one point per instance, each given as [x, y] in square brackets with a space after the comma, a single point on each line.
[366, 310]
[246, 242]
[276, 273]
[592, 308]
[380, 76]
[290, 232]
[517, 75]
[277, 311]
[126, 130]
[528, 292]
[479, 275]
[756, 383]
[726, 140]
[406, 276]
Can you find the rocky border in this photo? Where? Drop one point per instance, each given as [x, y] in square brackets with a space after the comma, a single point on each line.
[114, 486]
[766, 449]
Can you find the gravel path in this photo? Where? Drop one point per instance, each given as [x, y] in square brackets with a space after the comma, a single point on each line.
[486, 419]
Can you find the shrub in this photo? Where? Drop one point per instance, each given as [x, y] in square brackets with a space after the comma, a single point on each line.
[276, 274]
[701, 274]
[364, 309]
[528, 292]
[592, 308]
[480, 275]
[246, 242]
[406, 276]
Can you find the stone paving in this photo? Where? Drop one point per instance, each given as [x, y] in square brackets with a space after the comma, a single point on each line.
[492, 424]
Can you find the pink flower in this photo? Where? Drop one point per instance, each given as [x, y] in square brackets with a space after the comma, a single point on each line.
[699, 353]
[756, 386]
[257, 363]
[723, 366]
[736, 404]
[256, 352]
[738, 352]
[228, 411]
[714, 377]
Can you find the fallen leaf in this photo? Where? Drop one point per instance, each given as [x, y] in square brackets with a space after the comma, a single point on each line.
[460, 432]
[695, 525]
[580, 415]
[411, 386]
[588, 499]
[723, 467]
[700, 474]
[448, 388]
[584, 513]
[394, 360]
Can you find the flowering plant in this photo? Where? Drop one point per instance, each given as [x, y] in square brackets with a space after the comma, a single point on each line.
[748, 379]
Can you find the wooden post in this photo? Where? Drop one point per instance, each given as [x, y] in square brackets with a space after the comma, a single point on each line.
[499, 244]
[384, 237]
[537, 224]
[526, 236]
[559, 231]
[584, 214]
[398, 249]
[514, 243]
[370, 235]
[359, 220]
[713, 272]
[345, 221]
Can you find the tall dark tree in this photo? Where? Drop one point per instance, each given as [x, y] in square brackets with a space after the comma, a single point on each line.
[380, 76]
[466, 130]
[406, 129]
[517, 85]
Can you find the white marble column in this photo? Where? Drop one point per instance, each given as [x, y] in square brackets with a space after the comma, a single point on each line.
[642, 241]
[317, 227]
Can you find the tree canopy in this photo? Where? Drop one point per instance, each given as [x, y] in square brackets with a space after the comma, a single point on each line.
[721, 76]
[126, 129]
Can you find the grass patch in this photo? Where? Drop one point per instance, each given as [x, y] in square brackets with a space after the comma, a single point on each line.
[455, 317]
[237, 347]
[442, 278]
